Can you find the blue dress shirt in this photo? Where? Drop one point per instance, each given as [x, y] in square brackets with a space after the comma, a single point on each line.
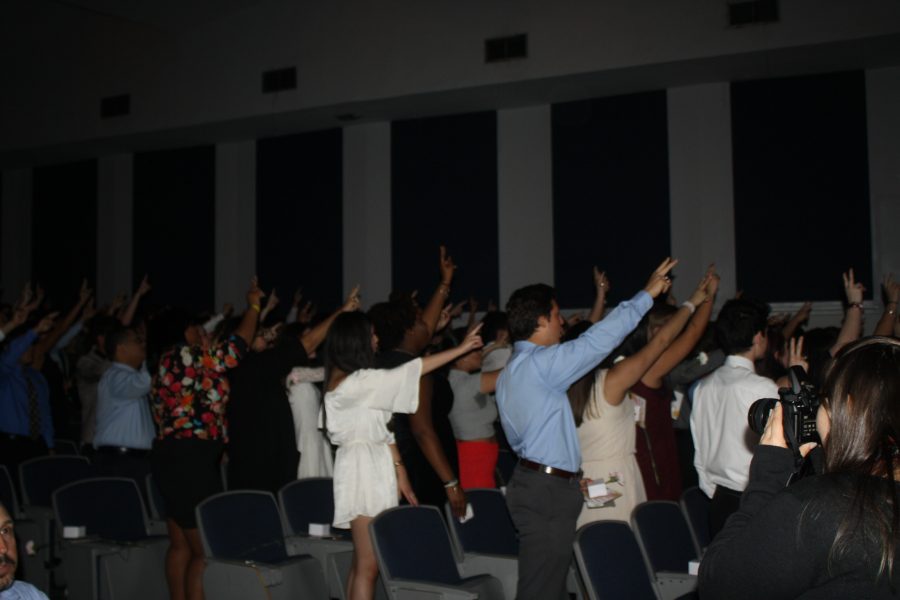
[123, 408]
[22, 591]
[531, 390]
[14, 401]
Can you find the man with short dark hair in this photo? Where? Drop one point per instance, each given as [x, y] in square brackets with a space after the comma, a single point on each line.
[544, 494]
[722, 437]
[10, 589]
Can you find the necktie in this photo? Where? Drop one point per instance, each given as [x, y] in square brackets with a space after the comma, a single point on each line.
[34, 410]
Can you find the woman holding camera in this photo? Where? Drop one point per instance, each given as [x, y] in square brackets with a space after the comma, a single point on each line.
[827, 536]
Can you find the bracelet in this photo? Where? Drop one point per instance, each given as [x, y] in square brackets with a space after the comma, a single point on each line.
[453, 483]
[256, 307]
[398, 463]
[858, 305]
[689, 305]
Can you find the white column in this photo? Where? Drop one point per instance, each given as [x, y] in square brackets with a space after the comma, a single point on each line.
[701, 187]
[235, 221]
[15, 229]
[367, 210]
[115, 226]
[524, 198]
[883, 118]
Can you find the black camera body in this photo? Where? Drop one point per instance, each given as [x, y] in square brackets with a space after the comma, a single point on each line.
[799, 403]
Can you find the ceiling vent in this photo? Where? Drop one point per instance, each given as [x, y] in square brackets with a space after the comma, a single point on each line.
[755, 12]
[279, 80]
[506, 48]
[115, 106]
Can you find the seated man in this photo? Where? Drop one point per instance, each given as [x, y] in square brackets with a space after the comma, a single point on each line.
[125, 428]
[10, 589]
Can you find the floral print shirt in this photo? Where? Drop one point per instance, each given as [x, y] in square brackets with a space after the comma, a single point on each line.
[191, 390]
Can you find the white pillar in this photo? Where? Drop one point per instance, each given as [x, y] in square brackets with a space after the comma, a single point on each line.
[524, 198]
[235, 221]
[367, 210]
[701, 186]
[115, 226]
[882, 100]
[15, 228]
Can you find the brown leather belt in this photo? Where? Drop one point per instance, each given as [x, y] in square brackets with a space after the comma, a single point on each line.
[530, 464]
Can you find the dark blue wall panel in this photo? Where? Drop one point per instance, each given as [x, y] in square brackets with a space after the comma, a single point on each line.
[64, 227]
[801, 188]
[299, 241]
[610, 194]
[174, 225]
[444, 188]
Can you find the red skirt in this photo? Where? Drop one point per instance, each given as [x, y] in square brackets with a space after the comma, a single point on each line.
[477, 461]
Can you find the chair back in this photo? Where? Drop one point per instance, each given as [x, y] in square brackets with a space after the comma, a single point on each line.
[8, 493]
[411, 542]
[506, 464]
[663, 535]
[610, 562]
[305, 501]
[695, 505]
[65, 448]
[110, 508]
[490, 530]
[242, 525]
[40, 477]
[155, 498]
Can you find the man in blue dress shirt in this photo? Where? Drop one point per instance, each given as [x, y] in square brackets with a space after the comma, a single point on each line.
[544, 494]
[125, 427]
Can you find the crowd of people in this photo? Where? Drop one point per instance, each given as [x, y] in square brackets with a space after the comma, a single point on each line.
[413, 403]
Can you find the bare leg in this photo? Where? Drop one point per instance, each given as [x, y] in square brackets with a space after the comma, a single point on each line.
[194, 580]
[178, 556]
[364, 570]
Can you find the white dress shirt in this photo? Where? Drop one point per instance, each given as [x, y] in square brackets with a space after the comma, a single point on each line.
[723, 440]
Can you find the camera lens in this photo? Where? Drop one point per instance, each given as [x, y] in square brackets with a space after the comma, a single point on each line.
[759, 414]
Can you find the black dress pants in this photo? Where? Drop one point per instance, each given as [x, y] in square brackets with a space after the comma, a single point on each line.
[544, 509]
[724, 503]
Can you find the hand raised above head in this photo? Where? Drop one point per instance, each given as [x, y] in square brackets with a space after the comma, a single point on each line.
[353, 300]
[473, 339]
[891, 288]
[659, 281]
[144, 287]
[45, 324]
[853, 289]
[601, 282]
[447, 266]
[254, 294]
[272, 300]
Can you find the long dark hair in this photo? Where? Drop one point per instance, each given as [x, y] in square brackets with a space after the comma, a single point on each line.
[348, 345]
[862, 396]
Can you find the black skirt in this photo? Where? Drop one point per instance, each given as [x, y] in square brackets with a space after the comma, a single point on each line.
[186, 472]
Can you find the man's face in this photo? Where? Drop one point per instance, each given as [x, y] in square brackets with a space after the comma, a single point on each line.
[550, 329]
[8, 554]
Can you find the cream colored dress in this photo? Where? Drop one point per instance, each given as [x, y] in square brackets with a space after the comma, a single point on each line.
[607, 436]
[357, 413]
[307, 409]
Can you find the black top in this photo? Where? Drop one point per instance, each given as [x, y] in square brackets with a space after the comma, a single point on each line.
[427, 485]
[262, 446]
[778, 544]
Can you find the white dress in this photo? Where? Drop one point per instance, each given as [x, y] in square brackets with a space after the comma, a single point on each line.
[304, 398]
[607, 436]
[357, 414]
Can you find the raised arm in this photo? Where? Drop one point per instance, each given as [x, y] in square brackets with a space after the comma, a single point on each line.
[701, 305]
[432, 313]
[852, 326]
[315, 336]
[128, 316]
[634, 368]
[247, 328]
[800, 317]
[19, 345]
[271, 304]
[471, 342]
[885, 324]
[601, 283]
[46, 343]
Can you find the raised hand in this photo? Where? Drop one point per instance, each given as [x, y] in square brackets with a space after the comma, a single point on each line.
[227, 309]
[352, 303]
[891, 289]
[298, 296]
[46, 324]
[455, 310]
[144, 287]
[473, 339]
[447, 266]
[445, 318]
[254, 294]
[852, 288]
[795, 354]
[659, 281]
[272, 300]
[712, 286]
[600, 281]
